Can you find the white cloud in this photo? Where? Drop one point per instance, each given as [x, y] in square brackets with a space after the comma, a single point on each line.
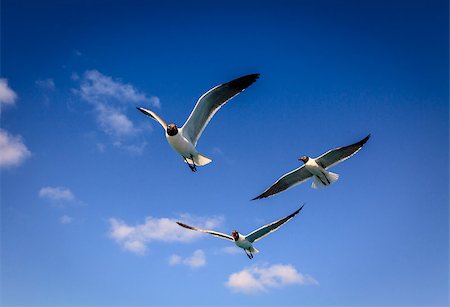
[198, 259]
[137, 237]
[59, 194]
[244, 282]
[12, 149]
[7, 95]
[110, 99]
[46, 84]
[65, 219]
[175, 259]
[114, 122]
[260, 278]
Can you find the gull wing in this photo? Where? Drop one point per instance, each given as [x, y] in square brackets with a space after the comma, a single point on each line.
[340, 154]
[154, 116]
[286, 181]
[265, 230]
[211, 232]
[210, 102]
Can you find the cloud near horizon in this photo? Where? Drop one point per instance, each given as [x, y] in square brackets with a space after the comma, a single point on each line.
[136, 238]
[258, 279]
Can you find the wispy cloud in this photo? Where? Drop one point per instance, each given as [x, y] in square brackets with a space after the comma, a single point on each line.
[261, 278]
[97, 88]
[136, 149]
[60, 194]
[7, 95]
[12, 150]
[231, 250]
[46, 84]
[136, 238]
[198, 259]
[65, 219]
[110, 99]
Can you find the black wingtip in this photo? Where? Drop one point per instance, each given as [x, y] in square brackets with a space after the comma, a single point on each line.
[183, 225]
[364, 140]
[259, 197]
[145, 112]
[142, 110]
[296, 212]
[244, 81]
[186, 226]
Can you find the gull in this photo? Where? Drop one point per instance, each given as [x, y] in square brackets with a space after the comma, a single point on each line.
[183, 140]
[246, 242]
[314, 168]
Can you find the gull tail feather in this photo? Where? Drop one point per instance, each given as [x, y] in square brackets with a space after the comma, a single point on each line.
[254, 250]
[201, 160]
[319, 183]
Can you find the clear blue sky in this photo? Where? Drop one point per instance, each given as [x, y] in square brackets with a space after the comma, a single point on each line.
[90, 189]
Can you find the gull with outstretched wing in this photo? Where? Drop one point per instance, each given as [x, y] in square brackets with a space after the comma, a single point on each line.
[314, 168]
[183, 140]
[246, 242]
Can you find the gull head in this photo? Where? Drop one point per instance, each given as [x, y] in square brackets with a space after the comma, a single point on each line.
[304, 159]
[172, 129]
[235, 235]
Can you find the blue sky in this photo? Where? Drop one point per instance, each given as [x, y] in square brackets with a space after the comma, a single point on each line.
[90, 189]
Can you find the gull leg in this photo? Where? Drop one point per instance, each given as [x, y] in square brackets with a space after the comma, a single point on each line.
[247, 254]
[190, 166]
[193, 164]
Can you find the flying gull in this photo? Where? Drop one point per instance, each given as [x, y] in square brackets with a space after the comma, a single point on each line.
[183, 140]
[246, 242]
[314, 168]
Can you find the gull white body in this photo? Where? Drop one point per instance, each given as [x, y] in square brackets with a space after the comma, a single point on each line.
[245, 244]
[321, 176]
[314, 168]
[182, 146]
